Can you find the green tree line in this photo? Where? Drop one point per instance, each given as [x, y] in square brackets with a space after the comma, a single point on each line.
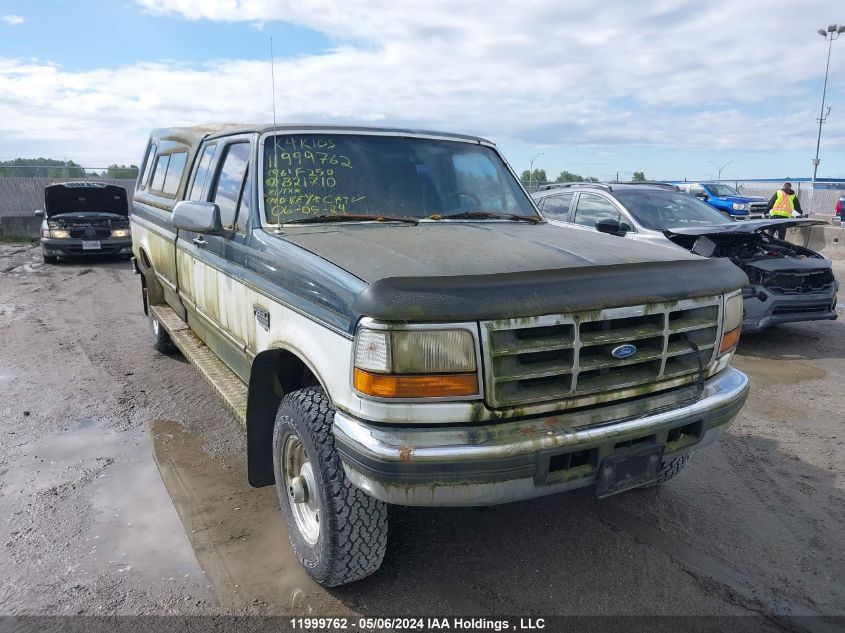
[539, 176]
[67, 169]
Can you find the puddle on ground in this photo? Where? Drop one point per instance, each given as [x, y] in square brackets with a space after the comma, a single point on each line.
[104, 484]
[236, 531]
[783, 371]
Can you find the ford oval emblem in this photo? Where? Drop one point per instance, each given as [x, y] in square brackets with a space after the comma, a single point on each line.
[624, 351]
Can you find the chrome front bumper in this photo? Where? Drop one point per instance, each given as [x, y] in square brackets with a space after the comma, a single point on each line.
[512, 460]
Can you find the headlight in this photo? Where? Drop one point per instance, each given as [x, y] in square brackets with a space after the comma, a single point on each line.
[741, 207]
[731, 322]
[415, 363]
[59, 234]
[120, 233]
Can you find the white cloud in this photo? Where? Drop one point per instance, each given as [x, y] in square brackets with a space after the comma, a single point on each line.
[672, 73]
[12, 20]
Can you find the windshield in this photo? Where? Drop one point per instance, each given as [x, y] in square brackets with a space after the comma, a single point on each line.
[323, 174]
[660, 210]
[721, 191]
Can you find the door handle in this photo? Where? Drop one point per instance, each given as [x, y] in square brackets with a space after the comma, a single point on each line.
[200, 241]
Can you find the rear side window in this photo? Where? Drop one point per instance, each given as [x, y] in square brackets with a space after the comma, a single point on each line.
[202, 173]
[159, 172]
[148, 166]
[230, 182]
[174, 172]
[592, 208]
[557, 207]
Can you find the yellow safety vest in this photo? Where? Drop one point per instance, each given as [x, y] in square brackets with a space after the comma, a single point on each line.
[784, 205]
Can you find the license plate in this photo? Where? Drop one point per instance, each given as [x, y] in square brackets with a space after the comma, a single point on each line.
[619, 473]
[91, 245]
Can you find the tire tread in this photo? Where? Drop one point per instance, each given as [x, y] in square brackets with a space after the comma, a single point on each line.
[360, 521]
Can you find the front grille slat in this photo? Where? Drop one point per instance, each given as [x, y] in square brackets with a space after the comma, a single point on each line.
[622, 335]
[560, 357]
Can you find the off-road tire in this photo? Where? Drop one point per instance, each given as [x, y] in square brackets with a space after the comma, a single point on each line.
[352, 525]
[161, 339]
[50, 259]
[669, 469]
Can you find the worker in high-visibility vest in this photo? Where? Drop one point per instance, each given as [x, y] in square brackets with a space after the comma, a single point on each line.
[784, 204]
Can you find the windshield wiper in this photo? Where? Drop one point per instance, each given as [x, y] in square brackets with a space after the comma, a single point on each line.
[349, 217]
[481, 215]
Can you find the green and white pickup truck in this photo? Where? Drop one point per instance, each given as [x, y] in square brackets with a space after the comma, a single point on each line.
[394, 323]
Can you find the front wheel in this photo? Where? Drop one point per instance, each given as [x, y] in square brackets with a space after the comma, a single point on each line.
[50, 259]
[338, 533]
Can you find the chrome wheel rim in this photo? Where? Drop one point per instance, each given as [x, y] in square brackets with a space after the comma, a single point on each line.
[301, 489]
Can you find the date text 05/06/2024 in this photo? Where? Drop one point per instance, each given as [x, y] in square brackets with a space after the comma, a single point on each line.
[419, 624]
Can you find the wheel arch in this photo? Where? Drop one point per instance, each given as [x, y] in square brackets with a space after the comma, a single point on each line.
[149, 285]
[276, 371]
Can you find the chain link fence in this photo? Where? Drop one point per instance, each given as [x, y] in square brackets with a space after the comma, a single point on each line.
[816, 201]
[19, 196]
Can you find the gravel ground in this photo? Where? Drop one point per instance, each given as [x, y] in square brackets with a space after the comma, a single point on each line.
[122, 491]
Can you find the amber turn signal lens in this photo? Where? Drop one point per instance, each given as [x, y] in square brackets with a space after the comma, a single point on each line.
[430, 386]
[729, 340]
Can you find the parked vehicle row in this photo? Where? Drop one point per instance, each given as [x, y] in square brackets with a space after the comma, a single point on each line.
[787, 283]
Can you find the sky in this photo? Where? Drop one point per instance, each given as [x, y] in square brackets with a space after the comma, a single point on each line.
[673, 88]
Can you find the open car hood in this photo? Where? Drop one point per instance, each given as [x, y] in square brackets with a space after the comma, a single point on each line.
[743, 227]
[78, 197]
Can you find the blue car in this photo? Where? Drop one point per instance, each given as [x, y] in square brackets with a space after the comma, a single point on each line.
[727, 199]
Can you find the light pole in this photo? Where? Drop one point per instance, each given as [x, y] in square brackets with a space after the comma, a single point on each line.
[531, 168]
[719, 169]
[832, 33]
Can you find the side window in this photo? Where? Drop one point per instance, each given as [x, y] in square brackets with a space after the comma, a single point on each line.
[149, 159]
[230, 181]
[202, 173]
[159, 172]
[557, 207]
[174, 173]
[592, 208]
[697, 190]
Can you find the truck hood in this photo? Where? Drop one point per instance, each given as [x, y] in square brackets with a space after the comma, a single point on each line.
[737, 228]
[485, 270]
[85, 197]
[375, 251]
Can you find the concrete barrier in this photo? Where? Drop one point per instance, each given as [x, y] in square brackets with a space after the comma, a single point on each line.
[827, 240]
[19, 226]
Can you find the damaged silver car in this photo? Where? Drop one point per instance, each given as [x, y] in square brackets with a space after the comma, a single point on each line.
[787, 282]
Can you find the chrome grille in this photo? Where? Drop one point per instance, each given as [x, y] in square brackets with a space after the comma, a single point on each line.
[559, 357]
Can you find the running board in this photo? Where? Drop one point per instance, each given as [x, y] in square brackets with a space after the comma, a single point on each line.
[227, 385]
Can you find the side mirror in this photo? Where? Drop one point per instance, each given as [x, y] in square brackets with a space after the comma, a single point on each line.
[199, 217]
[609, 226]
[38, 213]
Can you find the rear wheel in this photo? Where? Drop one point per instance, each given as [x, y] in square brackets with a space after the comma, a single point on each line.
[161, 339]
[338, 533]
